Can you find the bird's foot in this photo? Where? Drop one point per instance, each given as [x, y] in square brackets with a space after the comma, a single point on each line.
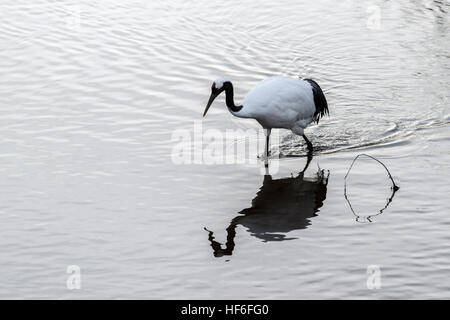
[264, 156]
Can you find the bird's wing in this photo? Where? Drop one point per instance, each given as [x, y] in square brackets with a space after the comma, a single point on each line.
[280, 100]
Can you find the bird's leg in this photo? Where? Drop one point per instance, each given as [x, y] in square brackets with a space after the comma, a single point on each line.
[265, 155]
[308, 161]
[308, 143]
[267, 131]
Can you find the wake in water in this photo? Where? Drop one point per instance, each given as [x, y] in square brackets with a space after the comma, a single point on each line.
[326, 143]
[280, 206]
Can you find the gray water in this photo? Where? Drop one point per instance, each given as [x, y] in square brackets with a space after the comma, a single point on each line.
[91, 94]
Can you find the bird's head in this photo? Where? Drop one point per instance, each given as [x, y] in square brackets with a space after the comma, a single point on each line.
[216, 88]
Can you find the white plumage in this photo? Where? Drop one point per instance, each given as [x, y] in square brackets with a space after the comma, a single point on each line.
[280, 102]
[277, 102]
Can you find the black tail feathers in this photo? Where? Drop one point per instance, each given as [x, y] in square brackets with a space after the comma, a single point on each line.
[319, 100]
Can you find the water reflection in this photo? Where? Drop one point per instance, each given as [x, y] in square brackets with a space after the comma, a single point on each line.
[280, 206]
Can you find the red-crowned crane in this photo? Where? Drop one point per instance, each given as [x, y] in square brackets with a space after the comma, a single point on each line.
[277, 102]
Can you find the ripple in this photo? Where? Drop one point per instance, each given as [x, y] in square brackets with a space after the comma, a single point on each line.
[91, 93]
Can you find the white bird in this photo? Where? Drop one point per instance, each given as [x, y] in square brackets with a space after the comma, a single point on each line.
[277, 102]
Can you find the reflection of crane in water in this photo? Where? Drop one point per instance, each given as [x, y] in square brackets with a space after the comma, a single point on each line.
[280, 206]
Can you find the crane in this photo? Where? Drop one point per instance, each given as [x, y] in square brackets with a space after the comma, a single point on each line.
[276, 102]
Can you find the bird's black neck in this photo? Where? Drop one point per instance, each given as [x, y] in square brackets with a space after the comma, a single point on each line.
[229, 97]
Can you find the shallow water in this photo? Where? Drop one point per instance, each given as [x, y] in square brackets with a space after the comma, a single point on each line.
[91, 95]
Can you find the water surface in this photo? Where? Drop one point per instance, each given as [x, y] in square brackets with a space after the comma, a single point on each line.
[92, 93]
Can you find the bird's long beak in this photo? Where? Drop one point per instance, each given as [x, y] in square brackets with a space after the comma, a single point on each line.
[210, 101]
